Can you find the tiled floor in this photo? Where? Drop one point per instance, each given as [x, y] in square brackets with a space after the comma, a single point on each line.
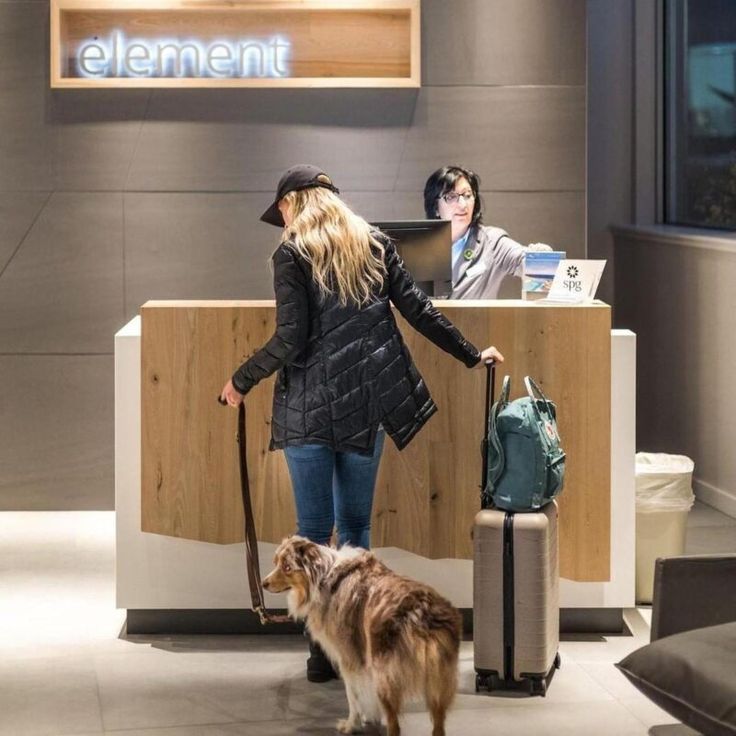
[65, 669]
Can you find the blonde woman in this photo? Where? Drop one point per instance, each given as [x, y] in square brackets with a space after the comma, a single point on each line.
[345, 375]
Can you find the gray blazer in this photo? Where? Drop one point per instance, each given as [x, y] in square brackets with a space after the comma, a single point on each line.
[495, 256]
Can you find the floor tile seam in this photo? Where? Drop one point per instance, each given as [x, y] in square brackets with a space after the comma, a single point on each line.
[147, 649]
[533, 702]
[641, 720]
[543, 704]
[215, 724]
[177, 726]
[209, 702]
[88, 657]
[174, 727]
[634, 694]
[98, 695]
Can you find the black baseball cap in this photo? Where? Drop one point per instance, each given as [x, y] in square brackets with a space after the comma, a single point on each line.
[301, 176]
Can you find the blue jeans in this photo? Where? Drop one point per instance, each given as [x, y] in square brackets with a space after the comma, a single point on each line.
[330, 486]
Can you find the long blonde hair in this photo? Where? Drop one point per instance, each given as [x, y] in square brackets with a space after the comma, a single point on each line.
[345, 255]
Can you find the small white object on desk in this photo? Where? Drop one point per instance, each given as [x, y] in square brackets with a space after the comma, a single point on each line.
[575, 282]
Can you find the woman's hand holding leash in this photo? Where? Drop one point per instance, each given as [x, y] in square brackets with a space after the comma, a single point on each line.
[230, 395]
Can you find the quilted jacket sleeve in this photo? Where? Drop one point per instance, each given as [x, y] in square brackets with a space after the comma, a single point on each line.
[292, 323]
[416, 307]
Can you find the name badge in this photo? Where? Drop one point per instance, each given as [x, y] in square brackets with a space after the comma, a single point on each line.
[476, 270]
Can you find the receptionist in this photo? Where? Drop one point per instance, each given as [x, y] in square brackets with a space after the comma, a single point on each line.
[482, 255]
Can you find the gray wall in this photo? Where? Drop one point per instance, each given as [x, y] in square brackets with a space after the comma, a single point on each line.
[610, 154]
[110, 198]
[672, 286]
[676, 292]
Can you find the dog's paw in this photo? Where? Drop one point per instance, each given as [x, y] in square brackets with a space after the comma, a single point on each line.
[345, 725]
[372, 725]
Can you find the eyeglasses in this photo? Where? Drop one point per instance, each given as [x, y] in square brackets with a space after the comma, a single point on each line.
[454, 197]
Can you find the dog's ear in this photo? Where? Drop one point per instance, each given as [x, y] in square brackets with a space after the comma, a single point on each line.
[310, 557]
[304, 551]
[281, 550]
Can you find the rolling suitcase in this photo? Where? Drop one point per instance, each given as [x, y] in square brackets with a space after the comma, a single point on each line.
[516, 614]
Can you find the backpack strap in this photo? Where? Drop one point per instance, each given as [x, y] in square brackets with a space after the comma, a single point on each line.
[496, 470]
[535, 394]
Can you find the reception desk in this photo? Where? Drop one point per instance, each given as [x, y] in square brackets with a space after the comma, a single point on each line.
[177, 481]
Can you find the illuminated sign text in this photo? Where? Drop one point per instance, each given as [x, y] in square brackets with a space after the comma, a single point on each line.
[118, 56]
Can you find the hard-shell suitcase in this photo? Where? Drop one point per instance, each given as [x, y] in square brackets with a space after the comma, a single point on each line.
[516, 614]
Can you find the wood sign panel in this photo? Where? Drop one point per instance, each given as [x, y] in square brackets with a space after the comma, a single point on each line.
[246, 43]
[427, 495]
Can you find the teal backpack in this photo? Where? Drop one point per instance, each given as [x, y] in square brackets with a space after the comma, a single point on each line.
[525, 465]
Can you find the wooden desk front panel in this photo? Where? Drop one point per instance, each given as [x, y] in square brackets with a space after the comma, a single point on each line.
[427, 495]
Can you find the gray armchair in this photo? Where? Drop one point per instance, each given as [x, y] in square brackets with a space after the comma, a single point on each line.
[692, 592]
[689, 668]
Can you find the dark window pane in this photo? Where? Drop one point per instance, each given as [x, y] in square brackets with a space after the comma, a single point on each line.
[700, 113]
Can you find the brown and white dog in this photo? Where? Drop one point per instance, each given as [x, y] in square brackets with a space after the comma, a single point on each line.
[392, 638]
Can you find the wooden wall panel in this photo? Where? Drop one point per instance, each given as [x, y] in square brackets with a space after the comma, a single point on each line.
[426, 496]
[567, 350]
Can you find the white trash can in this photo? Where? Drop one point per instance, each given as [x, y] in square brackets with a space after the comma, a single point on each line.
[664, 496]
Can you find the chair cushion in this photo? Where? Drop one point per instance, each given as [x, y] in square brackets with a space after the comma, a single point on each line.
[692, 676]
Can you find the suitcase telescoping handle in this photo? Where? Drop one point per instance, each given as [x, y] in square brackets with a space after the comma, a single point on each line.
[490, 393]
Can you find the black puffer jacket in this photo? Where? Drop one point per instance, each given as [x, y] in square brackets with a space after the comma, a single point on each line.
[343, 370]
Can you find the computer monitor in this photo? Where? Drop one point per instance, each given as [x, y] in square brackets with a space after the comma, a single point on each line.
[426, 249]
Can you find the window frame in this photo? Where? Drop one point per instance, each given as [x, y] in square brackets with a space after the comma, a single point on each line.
[671, 72]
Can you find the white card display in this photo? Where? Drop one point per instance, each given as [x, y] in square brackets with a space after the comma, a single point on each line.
[575, 282]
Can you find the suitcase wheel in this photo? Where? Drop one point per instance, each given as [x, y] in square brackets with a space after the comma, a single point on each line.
[558, 661]
[482, 682]
[538, 687]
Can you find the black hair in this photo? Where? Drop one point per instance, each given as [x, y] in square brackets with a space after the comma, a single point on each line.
[443, 181]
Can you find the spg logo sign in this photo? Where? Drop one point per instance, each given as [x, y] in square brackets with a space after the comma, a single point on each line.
[572, 283]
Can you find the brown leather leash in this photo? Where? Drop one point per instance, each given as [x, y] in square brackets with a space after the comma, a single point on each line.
[251, 541]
